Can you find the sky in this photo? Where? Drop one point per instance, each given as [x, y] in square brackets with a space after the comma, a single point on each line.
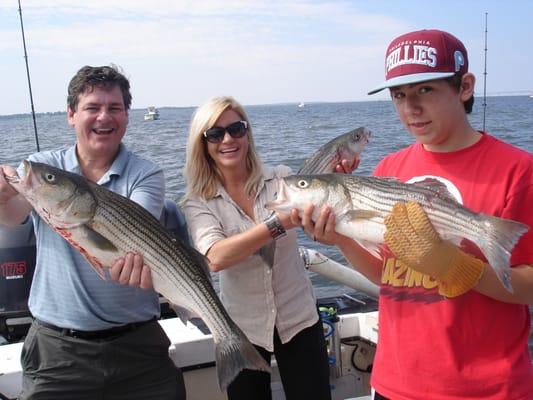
[181, 52]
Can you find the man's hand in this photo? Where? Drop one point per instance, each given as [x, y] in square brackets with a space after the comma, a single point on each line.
[286, 221]
[130, 270]
[323, 230]
[6, 190]
[413, 240]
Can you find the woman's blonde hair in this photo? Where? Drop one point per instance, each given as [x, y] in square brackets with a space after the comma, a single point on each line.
[200, 171]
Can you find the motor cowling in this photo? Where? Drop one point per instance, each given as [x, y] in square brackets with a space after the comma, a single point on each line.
[17, 265]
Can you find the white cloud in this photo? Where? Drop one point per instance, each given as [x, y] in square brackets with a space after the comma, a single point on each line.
[180, 52]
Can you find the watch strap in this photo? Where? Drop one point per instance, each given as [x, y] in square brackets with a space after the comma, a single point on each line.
[275, 227]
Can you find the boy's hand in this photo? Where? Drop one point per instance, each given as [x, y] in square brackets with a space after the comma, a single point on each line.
[413, 240]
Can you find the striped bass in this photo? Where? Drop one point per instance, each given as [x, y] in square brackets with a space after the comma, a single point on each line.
[348, 146]
[360, 205]
[104, 226]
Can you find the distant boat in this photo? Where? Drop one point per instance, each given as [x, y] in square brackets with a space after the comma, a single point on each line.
[301, 105]
[152, 114]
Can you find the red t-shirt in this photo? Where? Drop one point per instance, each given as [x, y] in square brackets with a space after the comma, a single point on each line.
[470, 346]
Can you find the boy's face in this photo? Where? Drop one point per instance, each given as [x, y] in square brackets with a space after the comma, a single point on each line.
[433, 112]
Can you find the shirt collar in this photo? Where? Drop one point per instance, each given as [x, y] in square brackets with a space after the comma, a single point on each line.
[268, 174]
[119, 164]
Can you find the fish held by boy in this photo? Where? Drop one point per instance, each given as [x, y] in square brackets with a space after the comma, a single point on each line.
[104, 226]
[360, 205]
[348, 146]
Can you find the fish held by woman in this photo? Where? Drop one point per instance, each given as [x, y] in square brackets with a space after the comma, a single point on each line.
[361, 203]
[104, 226]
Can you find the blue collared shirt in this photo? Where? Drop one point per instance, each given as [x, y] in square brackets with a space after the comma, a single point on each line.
[66, 291]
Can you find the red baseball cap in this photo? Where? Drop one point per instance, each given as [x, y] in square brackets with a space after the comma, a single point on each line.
[423, 56]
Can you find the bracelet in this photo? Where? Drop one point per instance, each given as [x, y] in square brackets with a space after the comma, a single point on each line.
[274, 227]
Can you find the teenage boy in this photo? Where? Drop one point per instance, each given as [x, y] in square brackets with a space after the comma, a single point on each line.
[448, 329]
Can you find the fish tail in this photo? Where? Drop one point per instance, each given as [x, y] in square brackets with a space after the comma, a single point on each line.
[499, 239]
[235, 354]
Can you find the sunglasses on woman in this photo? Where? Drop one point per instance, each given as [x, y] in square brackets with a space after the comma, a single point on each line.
[236, 130]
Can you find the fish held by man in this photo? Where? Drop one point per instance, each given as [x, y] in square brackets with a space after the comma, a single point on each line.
[104, 226]
[348, 146]
[361, 203]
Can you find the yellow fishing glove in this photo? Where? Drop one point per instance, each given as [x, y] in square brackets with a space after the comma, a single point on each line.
[413, 240]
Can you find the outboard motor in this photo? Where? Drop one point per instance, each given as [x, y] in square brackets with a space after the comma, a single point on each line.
[17, 265]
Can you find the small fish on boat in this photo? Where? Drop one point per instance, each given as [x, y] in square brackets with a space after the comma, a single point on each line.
[347, 146]
[104, 225]
[361, 203]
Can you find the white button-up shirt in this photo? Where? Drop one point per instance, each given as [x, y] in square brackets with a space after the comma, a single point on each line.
[258, 297]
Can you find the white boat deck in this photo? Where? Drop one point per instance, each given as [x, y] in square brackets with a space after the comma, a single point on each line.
[192, 350]
[189, 347]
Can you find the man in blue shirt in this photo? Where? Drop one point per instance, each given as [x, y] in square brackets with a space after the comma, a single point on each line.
[94, 338]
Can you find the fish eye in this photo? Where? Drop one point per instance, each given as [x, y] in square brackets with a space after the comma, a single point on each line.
[303, 184]
[50, 178]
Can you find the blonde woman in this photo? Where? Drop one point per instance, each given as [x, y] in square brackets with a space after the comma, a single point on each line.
[263, 282]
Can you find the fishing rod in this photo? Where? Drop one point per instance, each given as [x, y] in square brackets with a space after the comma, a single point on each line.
[485, 77]
[28, 75]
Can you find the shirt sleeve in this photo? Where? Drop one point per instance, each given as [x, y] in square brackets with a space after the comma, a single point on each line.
[149, 191]
[518, 208]
[205, 228]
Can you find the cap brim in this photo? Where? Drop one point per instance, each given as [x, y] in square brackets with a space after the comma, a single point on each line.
[409, 79]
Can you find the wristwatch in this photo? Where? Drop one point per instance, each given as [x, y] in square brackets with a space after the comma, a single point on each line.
[275, 228]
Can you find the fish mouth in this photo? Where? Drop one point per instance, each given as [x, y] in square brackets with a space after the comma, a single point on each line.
[16, 179]
[24, 182]
[366, 134]
[281, 197]
[27, 177]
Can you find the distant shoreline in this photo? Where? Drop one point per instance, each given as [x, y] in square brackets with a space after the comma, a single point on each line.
[307, 103]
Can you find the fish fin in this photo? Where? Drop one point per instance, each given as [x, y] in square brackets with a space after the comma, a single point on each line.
[362, 214]
[373, 248]
[182, 313]
[198, 257]
[501, 235]
[235, 354]
[391, 179]
[97, 240]
[100, 242]
[438, 187]
[267, 253]
[94, 239]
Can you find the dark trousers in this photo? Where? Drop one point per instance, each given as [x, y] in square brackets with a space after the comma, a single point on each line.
[303, 367]
[132, 365]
